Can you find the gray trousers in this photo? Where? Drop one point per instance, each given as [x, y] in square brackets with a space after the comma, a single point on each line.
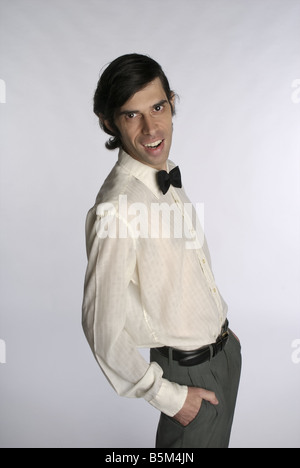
[212, 426]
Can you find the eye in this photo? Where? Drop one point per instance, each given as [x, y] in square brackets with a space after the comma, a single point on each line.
[131, 115]
[158, 108]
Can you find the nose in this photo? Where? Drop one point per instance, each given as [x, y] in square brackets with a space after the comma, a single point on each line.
[148, 125]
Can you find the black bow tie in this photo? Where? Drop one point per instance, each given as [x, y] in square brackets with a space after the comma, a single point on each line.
[165, 179]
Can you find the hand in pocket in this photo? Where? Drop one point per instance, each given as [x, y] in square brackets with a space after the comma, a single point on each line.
[193, 404]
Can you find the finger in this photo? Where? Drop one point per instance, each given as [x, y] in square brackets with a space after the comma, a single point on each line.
[209, 396]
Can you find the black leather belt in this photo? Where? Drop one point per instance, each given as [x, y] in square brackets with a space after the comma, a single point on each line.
[197, 356]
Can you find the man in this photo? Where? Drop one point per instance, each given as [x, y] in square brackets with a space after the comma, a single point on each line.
[149, 282]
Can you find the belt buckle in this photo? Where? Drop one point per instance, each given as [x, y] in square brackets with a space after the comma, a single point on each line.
[223, 339]
[225, 334]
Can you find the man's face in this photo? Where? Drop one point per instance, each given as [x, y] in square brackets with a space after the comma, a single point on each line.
[145, 125]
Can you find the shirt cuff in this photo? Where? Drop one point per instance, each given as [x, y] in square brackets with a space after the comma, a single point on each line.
[170, 398]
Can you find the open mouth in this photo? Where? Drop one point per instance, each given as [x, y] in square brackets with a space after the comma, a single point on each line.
[154, 145]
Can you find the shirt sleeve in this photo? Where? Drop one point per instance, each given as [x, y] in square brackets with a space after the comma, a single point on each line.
[111, 264]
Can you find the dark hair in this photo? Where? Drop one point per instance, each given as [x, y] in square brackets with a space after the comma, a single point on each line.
[124, 77]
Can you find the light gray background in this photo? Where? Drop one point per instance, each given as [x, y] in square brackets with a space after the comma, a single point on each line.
[233, 64]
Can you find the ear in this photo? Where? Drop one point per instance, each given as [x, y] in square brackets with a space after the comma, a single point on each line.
[107, 125]
[172, 101]
[105, 122]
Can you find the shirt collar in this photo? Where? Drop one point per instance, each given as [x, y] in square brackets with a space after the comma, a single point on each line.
[142, 172]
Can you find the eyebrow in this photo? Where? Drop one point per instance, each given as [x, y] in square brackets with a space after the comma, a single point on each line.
[126, 112]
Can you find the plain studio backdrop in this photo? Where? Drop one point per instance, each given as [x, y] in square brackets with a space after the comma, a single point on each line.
[235, 65]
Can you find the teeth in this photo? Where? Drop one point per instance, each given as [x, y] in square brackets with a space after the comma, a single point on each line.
[154, 145]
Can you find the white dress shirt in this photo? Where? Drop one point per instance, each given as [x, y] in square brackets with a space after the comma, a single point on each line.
[148, 282]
